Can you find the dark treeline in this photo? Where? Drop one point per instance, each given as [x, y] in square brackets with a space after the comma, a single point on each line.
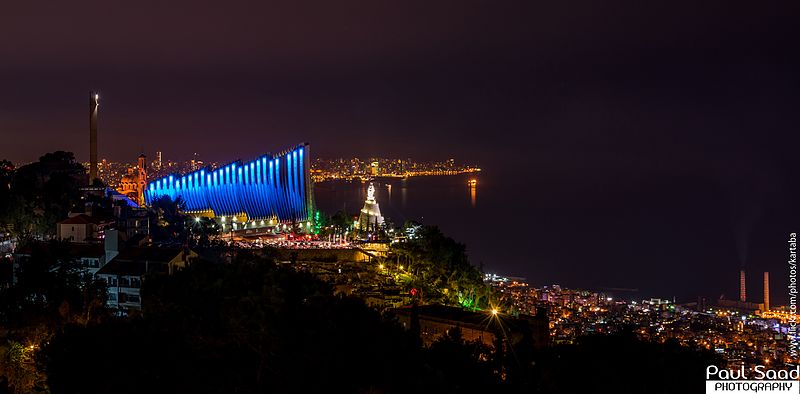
[35, 196]
[440, 269]
[252, 326]
[239, 328]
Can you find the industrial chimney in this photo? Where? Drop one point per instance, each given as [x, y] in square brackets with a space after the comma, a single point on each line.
[742, 287]
[94, 103]
[766, 291]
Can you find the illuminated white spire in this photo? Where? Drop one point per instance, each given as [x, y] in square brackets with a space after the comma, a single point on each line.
[370, 217]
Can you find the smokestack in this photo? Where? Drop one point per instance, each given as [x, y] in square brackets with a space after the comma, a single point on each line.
[742, 287]
[94, 103]
[766, 291]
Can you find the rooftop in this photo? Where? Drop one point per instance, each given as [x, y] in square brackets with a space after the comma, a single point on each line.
[131, 268]
[82, 219]
[149, 254]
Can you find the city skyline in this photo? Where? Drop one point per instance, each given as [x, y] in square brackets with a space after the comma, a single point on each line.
[152, 157]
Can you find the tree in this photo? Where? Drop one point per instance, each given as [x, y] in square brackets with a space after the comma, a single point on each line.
[202, 230]
[598, 359]
[441, 268]
[341, 222]
[248, 326]
[50, 293]
[6, 176]
[463, 365]
[42, 193]
[51, 289]
[170, 219]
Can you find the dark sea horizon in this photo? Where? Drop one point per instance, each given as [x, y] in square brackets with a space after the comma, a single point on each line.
[468, 215]
[575, 233]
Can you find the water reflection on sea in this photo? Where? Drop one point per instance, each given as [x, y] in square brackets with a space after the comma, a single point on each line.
[449, 202]
[484, 216]
[467, 213]
[439, 200]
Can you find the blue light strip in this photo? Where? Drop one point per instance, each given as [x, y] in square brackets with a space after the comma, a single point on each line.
[262, 189]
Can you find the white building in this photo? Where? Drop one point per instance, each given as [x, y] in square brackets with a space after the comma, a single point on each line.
[125, 273]
[82, 228]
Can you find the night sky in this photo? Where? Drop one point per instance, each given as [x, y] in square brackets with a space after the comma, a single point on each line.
[643, 144]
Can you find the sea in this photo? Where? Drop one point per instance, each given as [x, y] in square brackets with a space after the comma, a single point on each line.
[506, 231]
[460, 209]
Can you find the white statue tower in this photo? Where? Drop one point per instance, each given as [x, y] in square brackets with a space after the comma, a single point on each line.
[370, 217]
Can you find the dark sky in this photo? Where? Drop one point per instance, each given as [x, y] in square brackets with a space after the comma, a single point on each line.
[618, 119]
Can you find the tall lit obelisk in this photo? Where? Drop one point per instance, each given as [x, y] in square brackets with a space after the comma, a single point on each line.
[766, 291]
[742, 286]
[94, 104]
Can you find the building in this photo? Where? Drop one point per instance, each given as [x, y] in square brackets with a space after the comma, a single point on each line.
[747, 307]
[133, 183]
[124, 273]
[370, 218]
[434, 321]
[82, 228]
[90, 257]
[263, 193]
[158, 164]
[132, 221]
[195, 164]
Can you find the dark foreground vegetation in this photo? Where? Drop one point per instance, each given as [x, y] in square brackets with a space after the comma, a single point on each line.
[251, 326]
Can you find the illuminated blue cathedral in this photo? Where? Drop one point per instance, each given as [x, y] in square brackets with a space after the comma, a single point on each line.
[267, 191]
